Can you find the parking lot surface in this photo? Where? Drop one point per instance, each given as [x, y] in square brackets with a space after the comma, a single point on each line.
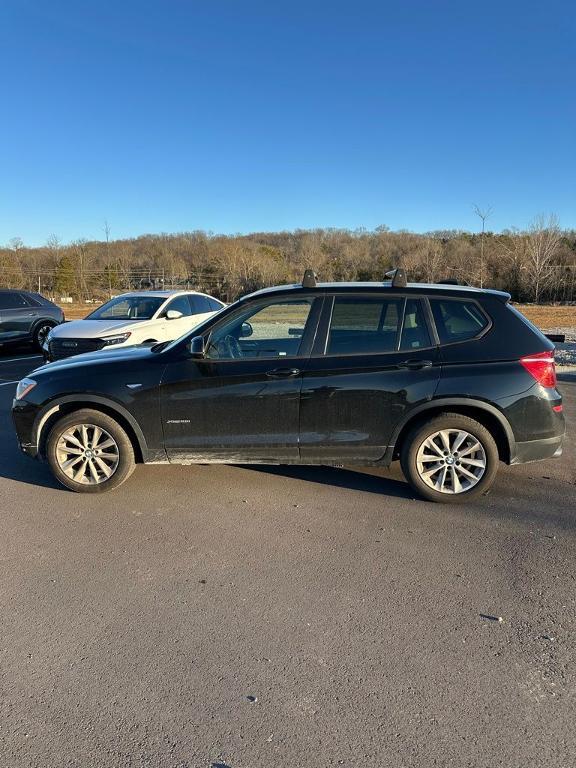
[217, 616]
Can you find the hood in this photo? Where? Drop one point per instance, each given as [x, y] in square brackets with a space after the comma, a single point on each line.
[91, 329]
[107, 356]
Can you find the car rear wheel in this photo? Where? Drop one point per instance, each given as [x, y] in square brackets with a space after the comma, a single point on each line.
[89, 452]
[451, 458]
[40, 333]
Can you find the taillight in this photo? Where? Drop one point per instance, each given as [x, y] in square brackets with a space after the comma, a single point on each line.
[542, 367]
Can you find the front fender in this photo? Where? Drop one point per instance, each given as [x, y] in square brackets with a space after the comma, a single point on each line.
[60, 405]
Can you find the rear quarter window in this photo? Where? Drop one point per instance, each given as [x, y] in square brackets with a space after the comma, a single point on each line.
[458, 320]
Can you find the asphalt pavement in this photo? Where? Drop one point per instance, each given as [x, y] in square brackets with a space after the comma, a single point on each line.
[213, 616]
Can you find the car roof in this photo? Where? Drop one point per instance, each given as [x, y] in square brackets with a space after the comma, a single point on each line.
[444, 289]
[162, 294]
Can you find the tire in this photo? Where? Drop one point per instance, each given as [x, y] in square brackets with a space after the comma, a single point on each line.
[40, 332]
[443, 475]
[94, 472]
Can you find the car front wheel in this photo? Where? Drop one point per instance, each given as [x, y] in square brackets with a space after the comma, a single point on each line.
[89, 452]
[451, 458]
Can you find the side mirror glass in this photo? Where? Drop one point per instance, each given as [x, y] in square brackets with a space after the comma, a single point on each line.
[173, 314]
[246, 330]
[197, 347]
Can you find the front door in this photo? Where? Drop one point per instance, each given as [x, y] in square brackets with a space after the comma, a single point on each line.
[375, 360]
[242, 401]
[16, 316]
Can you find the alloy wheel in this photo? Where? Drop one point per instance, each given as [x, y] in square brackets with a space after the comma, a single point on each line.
[42, 334]
[87, 454]
[451, 461]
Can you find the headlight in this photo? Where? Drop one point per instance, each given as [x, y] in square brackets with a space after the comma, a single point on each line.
[119, 339]
[24, 386]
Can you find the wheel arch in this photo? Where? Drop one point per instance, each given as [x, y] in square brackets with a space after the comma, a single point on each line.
[63, 406]
[485, 413]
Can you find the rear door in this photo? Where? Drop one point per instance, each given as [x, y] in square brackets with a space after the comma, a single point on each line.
[375, 359]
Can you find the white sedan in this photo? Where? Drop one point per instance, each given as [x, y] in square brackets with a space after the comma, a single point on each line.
[132, 318]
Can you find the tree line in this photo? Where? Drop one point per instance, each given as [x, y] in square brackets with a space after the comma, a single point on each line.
[536, 264]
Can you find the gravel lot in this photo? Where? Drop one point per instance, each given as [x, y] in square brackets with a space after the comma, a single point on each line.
[213, 616]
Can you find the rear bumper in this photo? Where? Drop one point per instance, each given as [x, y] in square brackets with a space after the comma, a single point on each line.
[537, 450]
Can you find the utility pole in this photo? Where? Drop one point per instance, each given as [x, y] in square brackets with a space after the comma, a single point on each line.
[482, 213]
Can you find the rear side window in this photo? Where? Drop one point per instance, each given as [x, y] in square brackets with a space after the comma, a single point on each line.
[32, 299]
[214, 304]
[364, 325]
[457, 320]
[415, 333]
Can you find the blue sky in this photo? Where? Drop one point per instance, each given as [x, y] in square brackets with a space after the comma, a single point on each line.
[239, 116]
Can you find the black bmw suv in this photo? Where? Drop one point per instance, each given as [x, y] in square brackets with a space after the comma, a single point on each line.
[27, 316]
[448, 379]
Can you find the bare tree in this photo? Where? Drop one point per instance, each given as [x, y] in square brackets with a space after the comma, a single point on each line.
[16, 244]
[513, 253]
[483, 214]
[544, 236]
[108, 270]
[54, 244]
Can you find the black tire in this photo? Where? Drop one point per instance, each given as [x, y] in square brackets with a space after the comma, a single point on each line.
[449, 422]
[123, 461]
[40, 332]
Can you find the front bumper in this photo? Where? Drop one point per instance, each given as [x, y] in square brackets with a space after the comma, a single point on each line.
[24, 418]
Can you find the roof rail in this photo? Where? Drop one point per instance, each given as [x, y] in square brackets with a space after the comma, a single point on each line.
[309, 279]
[452, 281]
[398, 278]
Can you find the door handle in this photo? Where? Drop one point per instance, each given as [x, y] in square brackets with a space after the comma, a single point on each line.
[282, 373]
[415, 365]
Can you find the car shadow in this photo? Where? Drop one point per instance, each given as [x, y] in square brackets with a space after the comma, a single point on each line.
[336, 477]
[16, 466]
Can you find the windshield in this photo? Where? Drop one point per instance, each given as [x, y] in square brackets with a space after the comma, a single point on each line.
[128, 308]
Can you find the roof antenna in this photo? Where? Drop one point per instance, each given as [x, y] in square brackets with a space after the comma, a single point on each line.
[398, 278]
[309, 280]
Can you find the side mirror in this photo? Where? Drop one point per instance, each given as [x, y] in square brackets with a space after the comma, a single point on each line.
[246, 330]
[197, 348]
[173, 314]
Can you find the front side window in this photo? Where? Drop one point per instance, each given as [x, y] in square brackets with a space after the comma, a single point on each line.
[270, 331]
[364, 325]
[179, 304]
[128, 308]
[457, 320]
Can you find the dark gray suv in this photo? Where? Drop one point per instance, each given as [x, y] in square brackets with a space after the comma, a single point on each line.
[26, 316]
